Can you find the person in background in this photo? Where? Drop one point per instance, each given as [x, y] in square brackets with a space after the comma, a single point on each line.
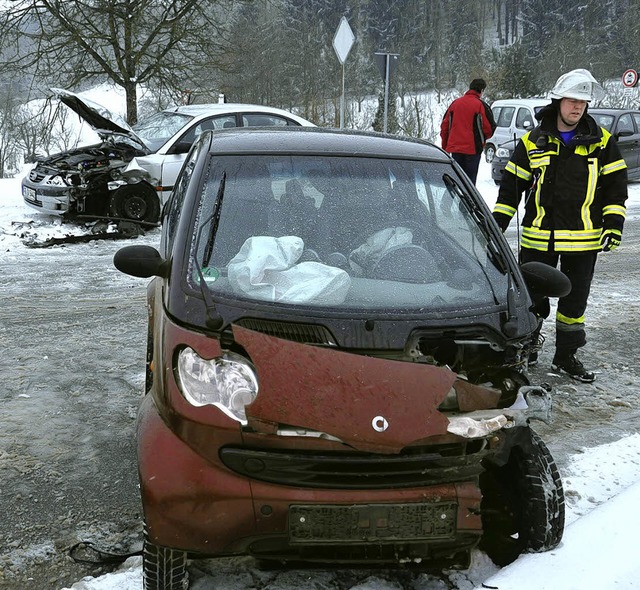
[575, 182]
[466, 126]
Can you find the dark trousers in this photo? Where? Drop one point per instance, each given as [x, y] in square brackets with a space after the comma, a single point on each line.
[469, 163]
[579, 267]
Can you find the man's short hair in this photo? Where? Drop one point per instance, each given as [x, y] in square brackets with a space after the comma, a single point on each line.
[477, 84]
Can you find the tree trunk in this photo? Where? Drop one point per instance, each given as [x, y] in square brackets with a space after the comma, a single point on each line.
[131, 93]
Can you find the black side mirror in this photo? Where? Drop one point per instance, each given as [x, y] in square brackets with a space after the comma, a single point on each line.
[180, 147]
[545, 280]
[141, 261]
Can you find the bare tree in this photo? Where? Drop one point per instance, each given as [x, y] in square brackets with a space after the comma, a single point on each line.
[161, 43]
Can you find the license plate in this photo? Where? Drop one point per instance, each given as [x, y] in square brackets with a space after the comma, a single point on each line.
[380, 523]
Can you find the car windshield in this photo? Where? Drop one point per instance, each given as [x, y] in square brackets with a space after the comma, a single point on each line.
[159, 128]
[344, 232]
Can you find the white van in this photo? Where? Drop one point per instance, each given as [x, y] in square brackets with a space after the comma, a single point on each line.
[514, 117]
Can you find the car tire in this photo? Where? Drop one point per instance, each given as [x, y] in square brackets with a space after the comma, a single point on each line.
[522, 503]
[163, 568]
[489, 152]
[138, 202]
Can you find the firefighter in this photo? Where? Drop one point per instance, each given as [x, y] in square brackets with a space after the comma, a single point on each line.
[575, 185]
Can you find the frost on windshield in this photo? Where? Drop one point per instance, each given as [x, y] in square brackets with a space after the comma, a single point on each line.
[384, 233]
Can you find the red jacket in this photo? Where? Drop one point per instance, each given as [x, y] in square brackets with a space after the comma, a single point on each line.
[467, 125]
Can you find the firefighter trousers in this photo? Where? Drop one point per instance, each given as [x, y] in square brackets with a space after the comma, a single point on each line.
[579, 268]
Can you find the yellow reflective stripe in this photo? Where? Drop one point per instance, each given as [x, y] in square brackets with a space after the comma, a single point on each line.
[525, 243]
[540, 211]
[539, 162]
[534, 232]
[577, 234]
[505, 209]
[613, 167]
[569, 321]
[518, 171]
[614, 210]
[585, 211]
[581, 247]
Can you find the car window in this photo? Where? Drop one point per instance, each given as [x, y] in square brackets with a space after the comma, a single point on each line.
[175, 204]
[265, 120]
[392, 234]
[524, 120]
[605, 121]
[219, 122]
[506, 114]
[159, 128]
[636, 119]
[496, 113]
[625, 123]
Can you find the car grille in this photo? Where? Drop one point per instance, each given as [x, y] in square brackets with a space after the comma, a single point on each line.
[303, 333]
[434, 465]
[36, 176]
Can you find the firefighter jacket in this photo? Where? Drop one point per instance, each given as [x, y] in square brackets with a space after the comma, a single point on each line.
[467, 125]
[572, 192]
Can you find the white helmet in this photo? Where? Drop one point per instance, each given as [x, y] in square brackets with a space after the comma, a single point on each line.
[578, 84]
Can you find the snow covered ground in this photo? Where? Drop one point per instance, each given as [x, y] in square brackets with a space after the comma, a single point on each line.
[598, 552]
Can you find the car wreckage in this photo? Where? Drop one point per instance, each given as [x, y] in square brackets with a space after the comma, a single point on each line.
[130, 174]
[337, 362]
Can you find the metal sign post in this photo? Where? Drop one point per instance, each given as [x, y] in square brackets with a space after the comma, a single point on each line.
[342, 43]
[387, 64]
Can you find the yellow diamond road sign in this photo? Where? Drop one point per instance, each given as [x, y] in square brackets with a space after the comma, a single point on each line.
[343, 40]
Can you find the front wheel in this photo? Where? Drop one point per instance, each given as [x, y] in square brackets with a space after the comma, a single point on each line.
[522, 503]
[164, 568]
[138, 202]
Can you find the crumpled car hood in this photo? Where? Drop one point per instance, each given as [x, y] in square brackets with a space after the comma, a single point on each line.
[371, 404]
[100, 118]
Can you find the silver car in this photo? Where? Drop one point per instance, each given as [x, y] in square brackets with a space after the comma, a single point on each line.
[130, 174]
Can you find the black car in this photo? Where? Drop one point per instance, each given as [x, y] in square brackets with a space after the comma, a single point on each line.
[623, 124]
[337, 362]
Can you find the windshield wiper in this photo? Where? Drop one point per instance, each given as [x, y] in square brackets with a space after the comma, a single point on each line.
[214, 319]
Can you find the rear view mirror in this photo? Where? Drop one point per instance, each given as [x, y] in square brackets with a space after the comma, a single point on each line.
[544, 280]
[141, 261]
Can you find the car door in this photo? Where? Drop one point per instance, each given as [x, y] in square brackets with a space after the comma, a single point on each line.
[628, 137]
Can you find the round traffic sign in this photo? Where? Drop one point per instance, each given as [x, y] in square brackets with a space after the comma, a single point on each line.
[630, 78]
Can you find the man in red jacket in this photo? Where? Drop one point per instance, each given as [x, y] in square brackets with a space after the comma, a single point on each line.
[466, 126]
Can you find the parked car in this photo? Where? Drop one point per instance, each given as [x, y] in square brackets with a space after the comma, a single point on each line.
[624, 125]
[336, 361]
[514, 117]
[131, 173]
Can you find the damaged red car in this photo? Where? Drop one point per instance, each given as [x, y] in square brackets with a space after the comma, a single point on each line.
[337, 362]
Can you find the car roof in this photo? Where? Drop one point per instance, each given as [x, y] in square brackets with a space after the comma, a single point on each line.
[520, 102]
[611, 111]
[198, 110]
[321, 141]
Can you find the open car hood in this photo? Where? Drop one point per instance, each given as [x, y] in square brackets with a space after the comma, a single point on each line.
[371, 404]
[100, 118]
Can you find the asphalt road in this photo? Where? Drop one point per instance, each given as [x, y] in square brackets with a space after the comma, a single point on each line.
[72, 335]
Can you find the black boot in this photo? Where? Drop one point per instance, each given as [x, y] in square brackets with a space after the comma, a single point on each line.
[569, 364]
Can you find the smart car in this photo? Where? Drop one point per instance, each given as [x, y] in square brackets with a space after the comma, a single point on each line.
[131, 173]
[336, 362]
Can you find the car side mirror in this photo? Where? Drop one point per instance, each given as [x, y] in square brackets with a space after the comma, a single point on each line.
[181, 147]
[544, 280]
[625, 133]
[527, 124]
[141, 261]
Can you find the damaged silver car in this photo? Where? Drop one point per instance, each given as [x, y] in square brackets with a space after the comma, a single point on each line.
[130, 174]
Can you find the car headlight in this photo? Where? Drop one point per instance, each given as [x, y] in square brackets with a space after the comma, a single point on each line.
[227, 382]
[503, 153]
